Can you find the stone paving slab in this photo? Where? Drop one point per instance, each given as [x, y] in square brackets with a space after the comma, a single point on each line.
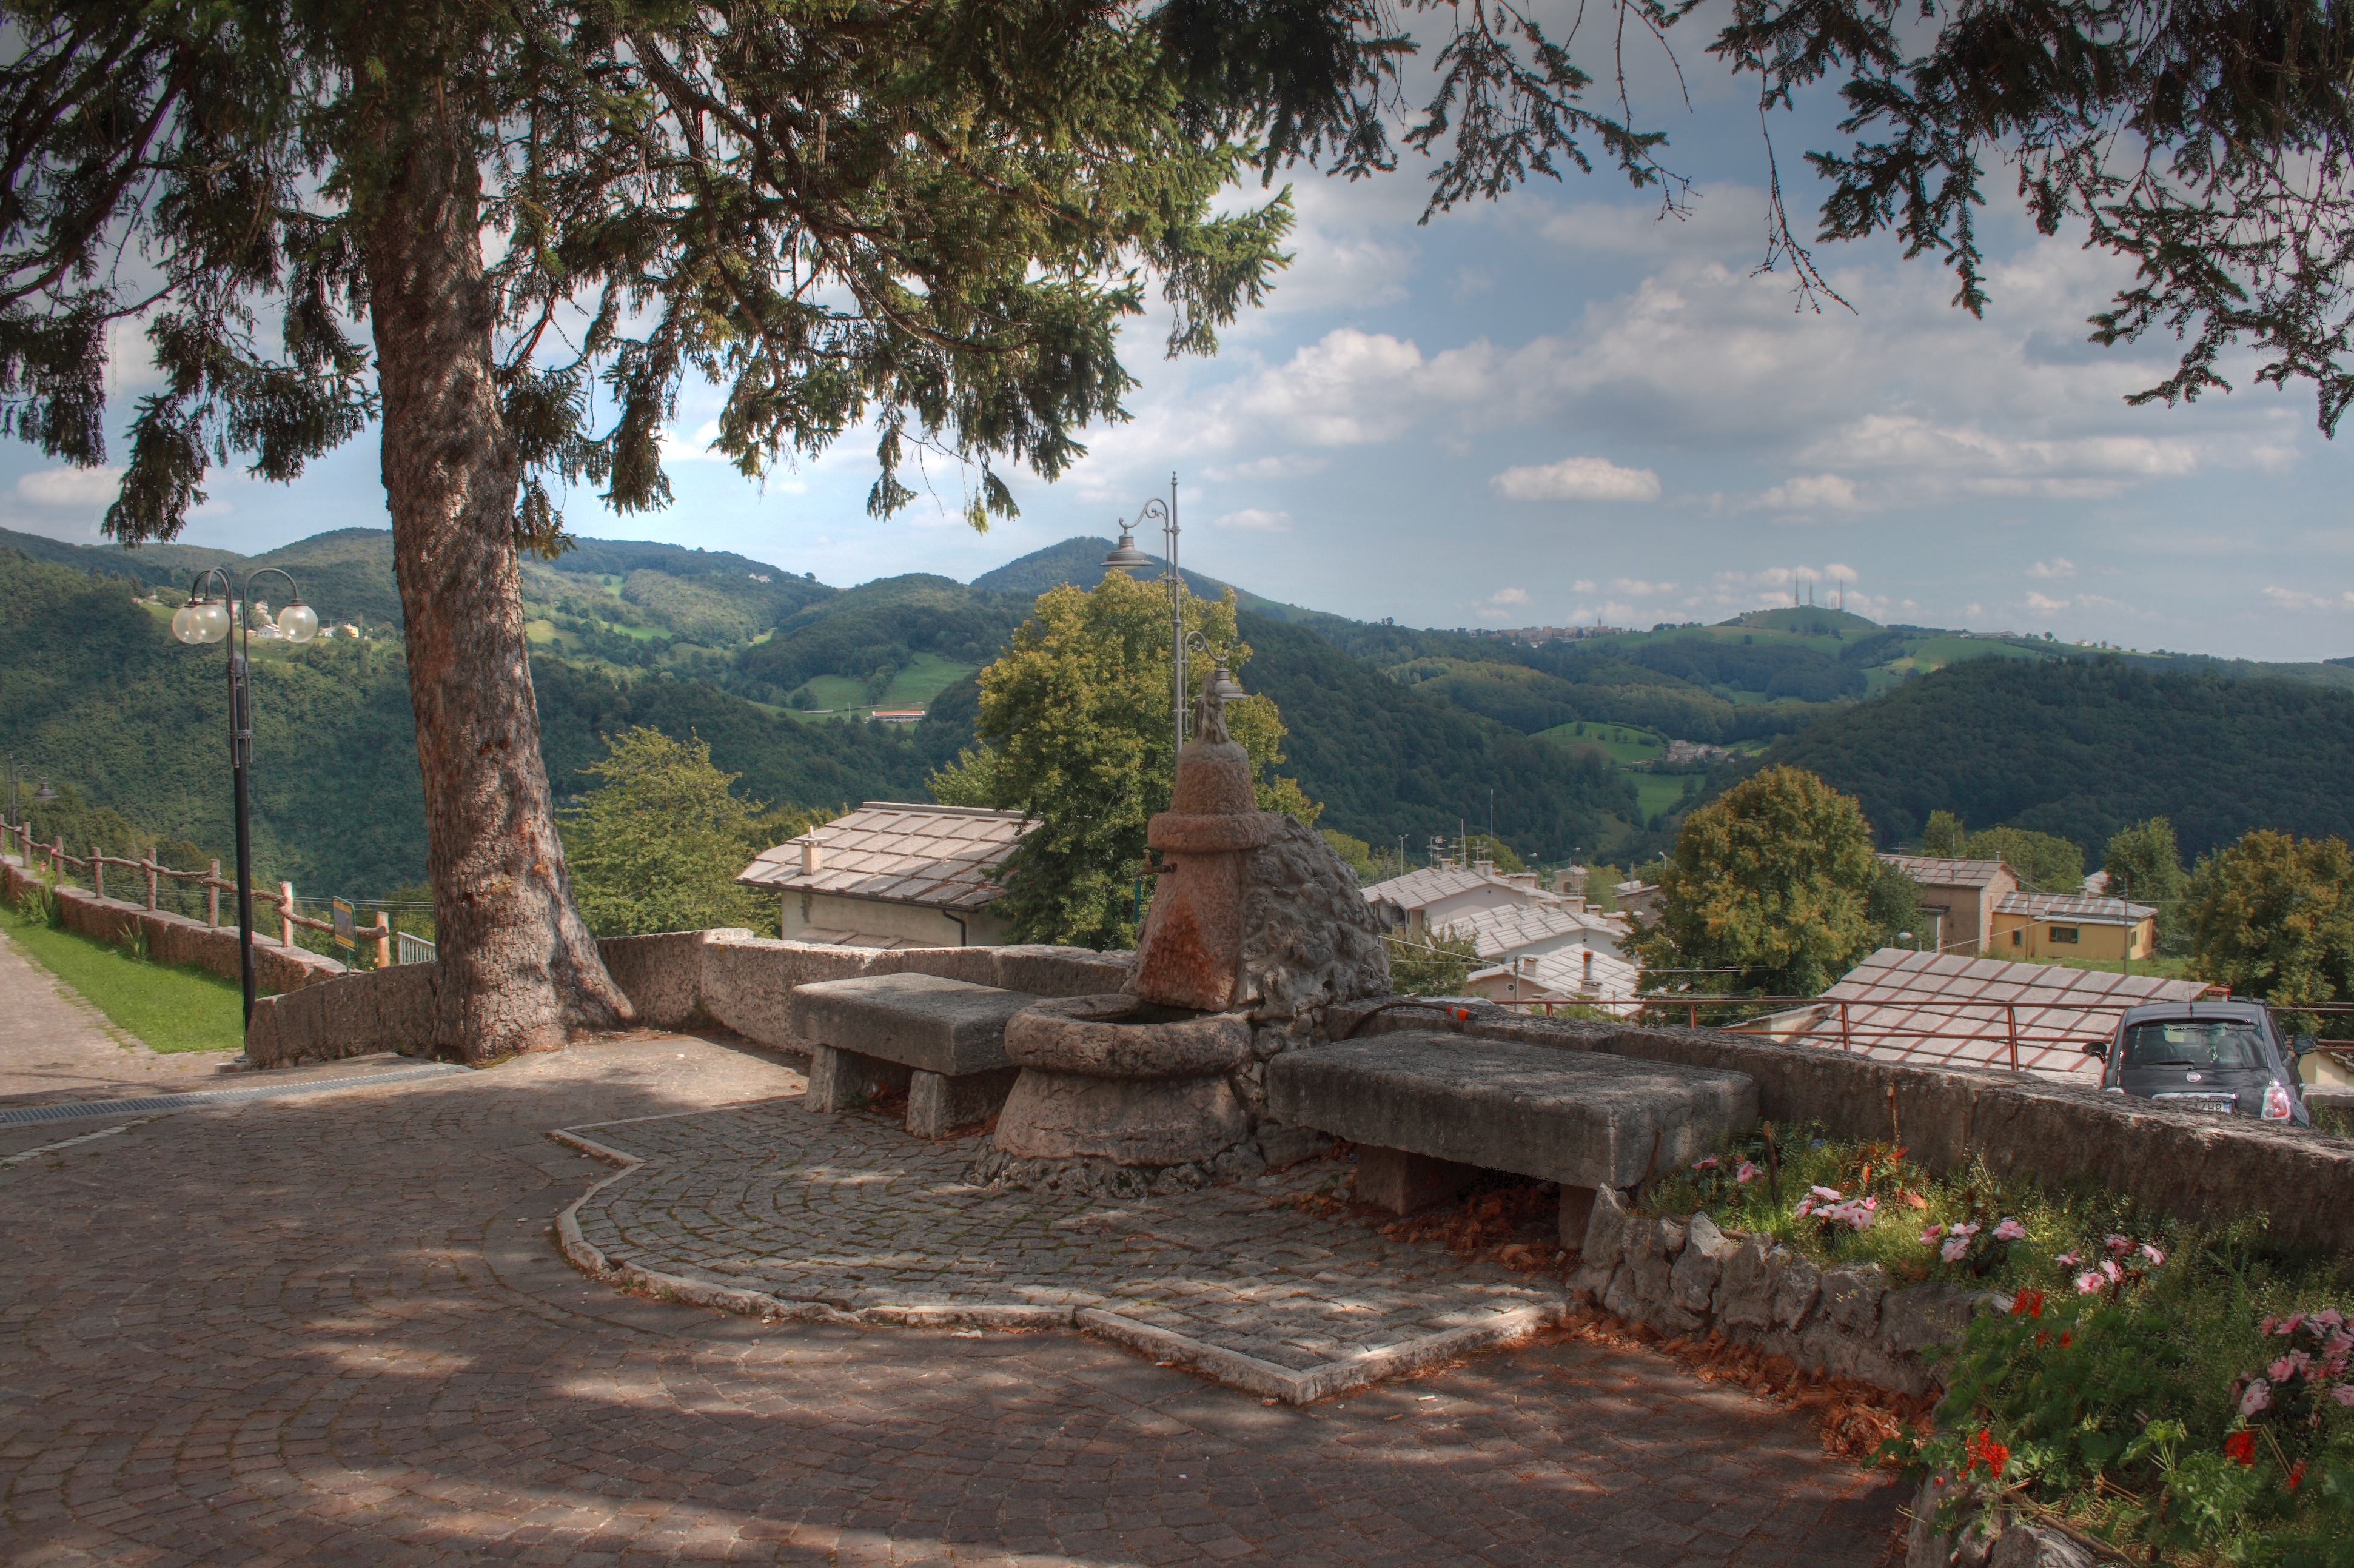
[770, 1211]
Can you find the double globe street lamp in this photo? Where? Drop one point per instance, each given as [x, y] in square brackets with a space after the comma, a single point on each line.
[207, 618]
[1127, 557]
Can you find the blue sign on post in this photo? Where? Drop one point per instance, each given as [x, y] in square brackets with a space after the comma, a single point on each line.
[347, 935]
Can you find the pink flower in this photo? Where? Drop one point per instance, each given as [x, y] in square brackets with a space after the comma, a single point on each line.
[2266, 1326]
[1955, 1248]
[2330, 1318]
[1828, 1194]
[2151, 1253]
[2119, 1245]
[2088, 1282]
[1929, 1237]
[2343, 1393]
[2290, 1365]
[2069, 1259]
[2291, 1325]
[2009, 1230]
[1746, 1174]
[2109, 1267]
[2258, 1396]
[2341, 1344]
[1705, 1162]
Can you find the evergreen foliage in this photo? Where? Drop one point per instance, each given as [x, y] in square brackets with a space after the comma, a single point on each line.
[1775, 882]
[656, 845]
[2144, 866]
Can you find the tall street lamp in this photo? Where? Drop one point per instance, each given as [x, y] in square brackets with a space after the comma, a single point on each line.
[207, 619]
[1127, 557]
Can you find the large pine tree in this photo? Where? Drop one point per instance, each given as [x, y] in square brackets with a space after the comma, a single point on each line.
[923, 217]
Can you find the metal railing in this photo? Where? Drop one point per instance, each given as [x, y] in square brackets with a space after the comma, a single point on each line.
[408, 950]
[2015, 1026]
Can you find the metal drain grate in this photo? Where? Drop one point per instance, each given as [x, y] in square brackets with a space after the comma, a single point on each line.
[69, 1110]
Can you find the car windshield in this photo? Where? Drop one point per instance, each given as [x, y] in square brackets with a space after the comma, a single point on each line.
[2195, 1043]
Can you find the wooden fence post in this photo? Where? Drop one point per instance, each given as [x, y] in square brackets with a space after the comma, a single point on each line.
[97, 871]
[383, 941]
[1847, 1040]
[285, 914]
[212, 897]
[152, 865]
[58, 859]
[2010, 1025]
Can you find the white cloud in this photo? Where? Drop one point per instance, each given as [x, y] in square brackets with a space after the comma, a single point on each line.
[2293, 599]
[1494, 616]
[1577, 479]
[1583, 585]
[2058, 566]
[1811, 494]
[2042, 606]
[1509, 596]
[1837, 573]
[1252, 519]
[1633, 587]
[70, 488]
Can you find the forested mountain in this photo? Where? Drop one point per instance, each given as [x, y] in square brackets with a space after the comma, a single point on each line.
[2082, 748]
[1400, 732]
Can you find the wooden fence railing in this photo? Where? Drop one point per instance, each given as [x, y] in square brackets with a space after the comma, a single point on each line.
[288, 909]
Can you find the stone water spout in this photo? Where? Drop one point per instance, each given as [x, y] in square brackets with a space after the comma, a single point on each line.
[1254, 926]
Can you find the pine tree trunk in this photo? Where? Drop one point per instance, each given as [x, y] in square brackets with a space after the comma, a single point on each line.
[518, 969]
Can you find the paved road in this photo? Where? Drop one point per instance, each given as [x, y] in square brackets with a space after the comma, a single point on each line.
[334, 1330]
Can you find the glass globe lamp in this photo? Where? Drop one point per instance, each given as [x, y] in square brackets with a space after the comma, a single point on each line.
[183, 624]
[210, 621]
[298, 622]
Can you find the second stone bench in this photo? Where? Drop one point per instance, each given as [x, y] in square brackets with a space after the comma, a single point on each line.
[940, 1042]
[1428, 1111]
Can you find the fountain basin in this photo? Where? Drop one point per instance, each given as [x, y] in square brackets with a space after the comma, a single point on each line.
[1119, 1079]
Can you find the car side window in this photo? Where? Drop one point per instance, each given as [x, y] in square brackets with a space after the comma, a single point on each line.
[2197, 1042]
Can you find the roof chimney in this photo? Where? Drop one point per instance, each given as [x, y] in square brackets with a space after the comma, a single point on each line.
[813, 855]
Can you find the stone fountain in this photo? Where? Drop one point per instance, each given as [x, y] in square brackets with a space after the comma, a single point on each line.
[1256, 928]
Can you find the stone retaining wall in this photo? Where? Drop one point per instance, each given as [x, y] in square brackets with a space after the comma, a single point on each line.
[176, 939]
[676, 980]
[2189, 1164]
[1688, 1278]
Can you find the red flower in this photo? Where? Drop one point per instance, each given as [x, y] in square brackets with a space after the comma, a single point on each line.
[2027, 1304]
[1984, 1450]
[2241, 1448]
[2296, 1474]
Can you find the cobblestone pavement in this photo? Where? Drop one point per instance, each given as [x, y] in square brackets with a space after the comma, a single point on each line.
[334, 1329]
[849, 1212]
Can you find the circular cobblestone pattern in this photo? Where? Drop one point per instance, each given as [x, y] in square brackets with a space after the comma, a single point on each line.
[336, 1329]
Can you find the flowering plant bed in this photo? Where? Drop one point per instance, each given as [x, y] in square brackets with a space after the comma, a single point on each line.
[2172, 1392]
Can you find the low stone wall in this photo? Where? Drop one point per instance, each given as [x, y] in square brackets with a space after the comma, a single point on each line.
[2189, 1164]
[176, 939]
[675, 979]
[1688, 1278]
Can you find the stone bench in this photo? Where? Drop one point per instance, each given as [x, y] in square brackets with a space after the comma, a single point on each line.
[1429, 1111]
[940, 1042]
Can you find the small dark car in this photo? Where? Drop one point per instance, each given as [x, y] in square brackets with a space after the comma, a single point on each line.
[2228, 1058]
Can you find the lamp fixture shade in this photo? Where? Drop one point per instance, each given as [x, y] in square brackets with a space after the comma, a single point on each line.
[298, 622]
[1127, 557]
[183, 624]
[211, 620]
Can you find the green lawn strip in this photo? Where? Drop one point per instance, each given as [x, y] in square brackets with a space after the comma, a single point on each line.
[171, 1010]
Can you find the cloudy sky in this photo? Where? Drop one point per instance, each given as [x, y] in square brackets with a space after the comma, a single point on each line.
[1563, 407]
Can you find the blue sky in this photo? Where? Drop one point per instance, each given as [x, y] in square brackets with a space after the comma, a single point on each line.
[1563, 407]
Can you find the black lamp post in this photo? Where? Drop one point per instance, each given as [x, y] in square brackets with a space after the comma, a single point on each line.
[1127, 557]
[204, 619]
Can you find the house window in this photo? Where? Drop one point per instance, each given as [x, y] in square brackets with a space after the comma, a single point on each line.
[2014, 935]
[2064, 936]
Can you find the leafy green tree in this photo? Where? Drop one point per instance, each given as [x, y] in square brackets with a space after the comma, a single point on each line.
[657, 845]
[2043, 862]
[928, 218]
[1075, 728]
[1893, 908]
[1422, 964]
[2273, 917]
[2145, 866]
[1602, 886]
[1355, 853]
[1774, 881]
[1945, 837]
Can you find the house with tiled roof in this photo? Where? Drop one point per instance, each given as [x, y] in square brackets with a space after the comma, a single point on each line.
[1571, 975]
[1430, 897]
[1502, 930]
[892, 874]
[1957, 898]
[2072, 925]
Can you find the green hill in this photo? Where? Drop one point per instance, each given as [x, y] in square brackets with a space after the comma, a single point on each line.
[2082, 747]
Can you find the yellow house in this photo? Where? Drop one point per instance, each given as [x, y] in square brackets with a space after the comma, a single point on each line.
[2072, 926]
